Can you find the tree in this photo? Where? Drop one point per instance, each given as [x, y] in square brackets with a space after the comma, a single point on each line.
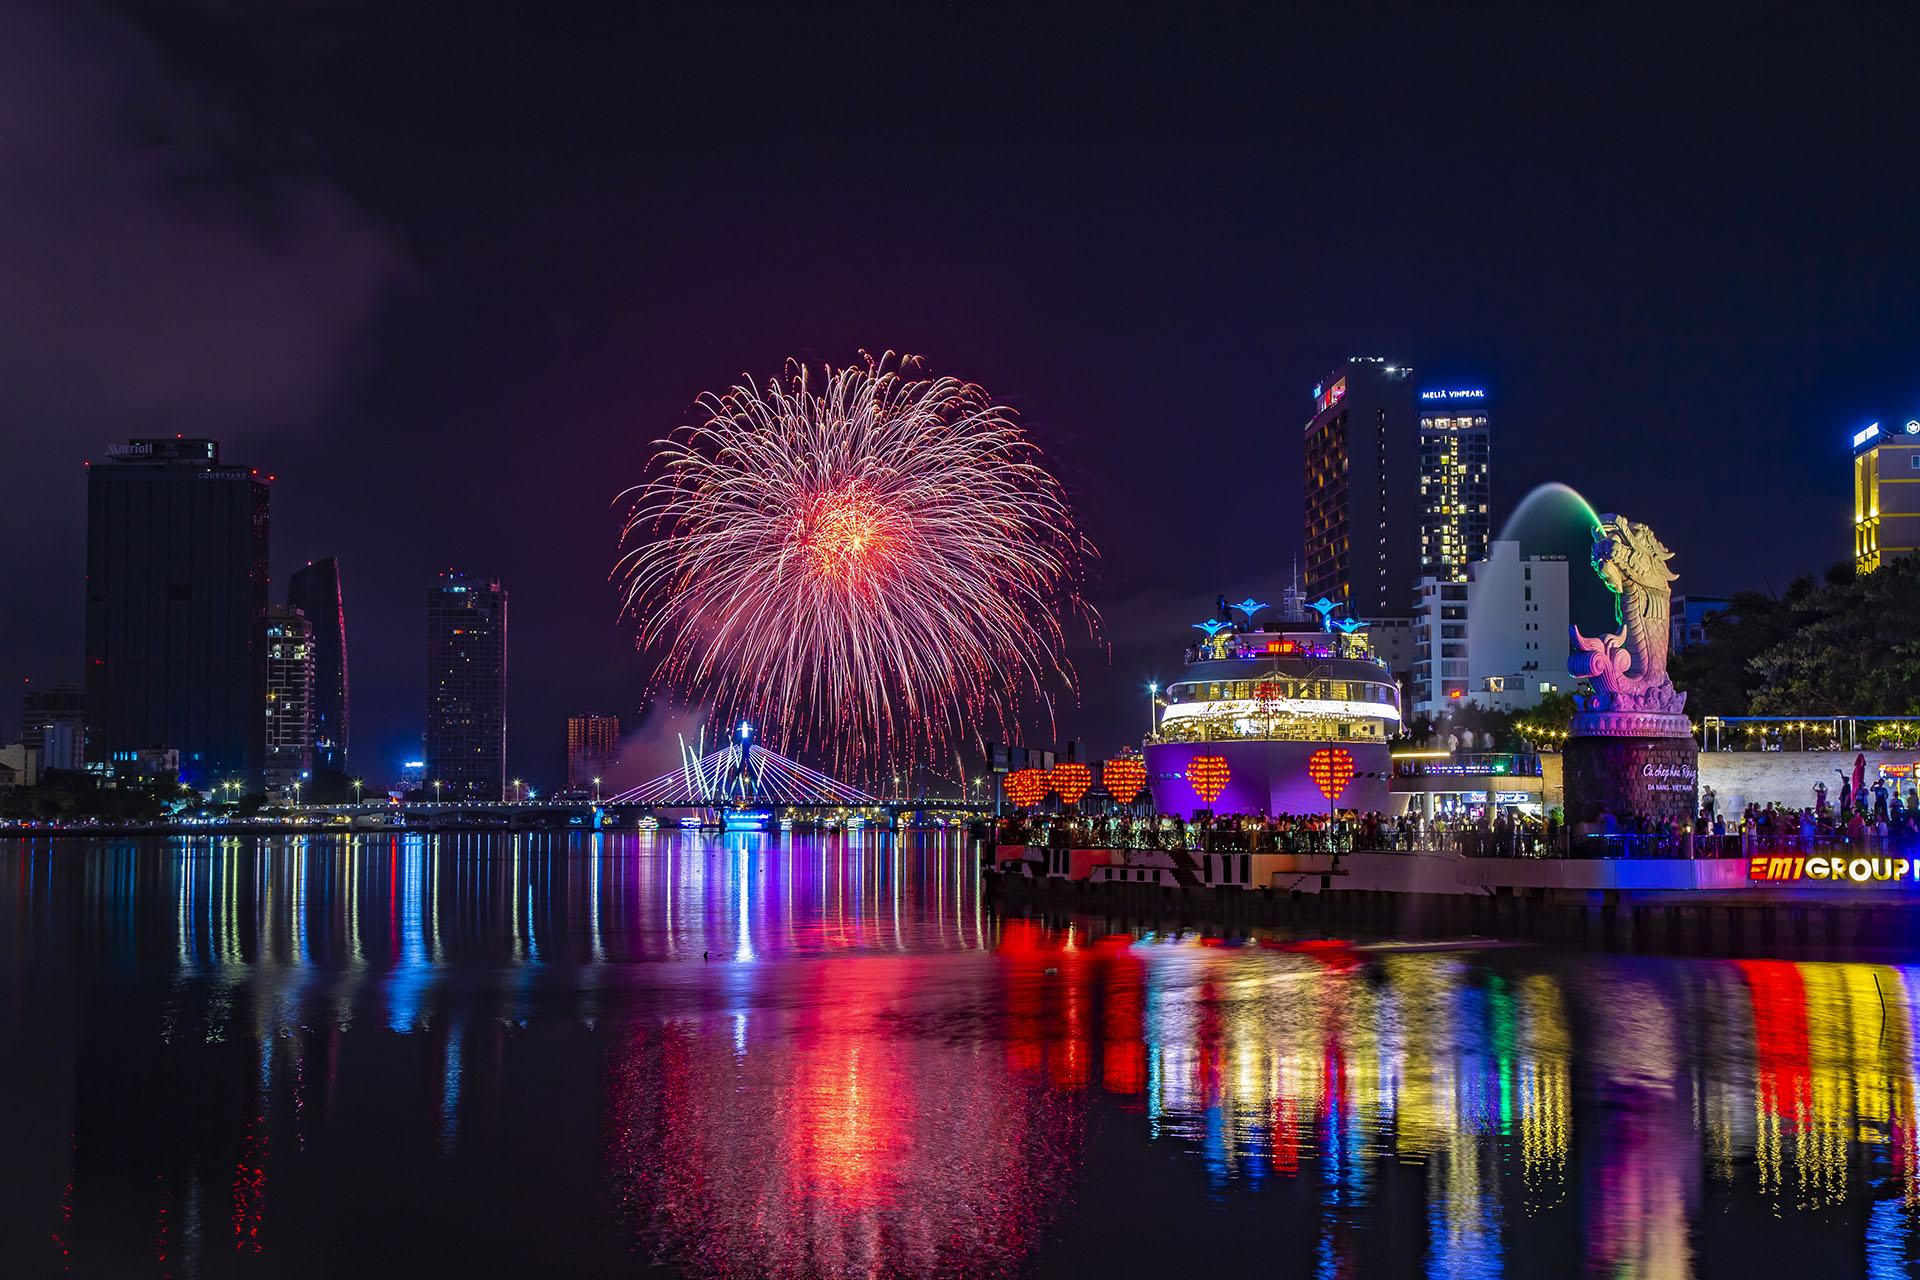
[1845, 644]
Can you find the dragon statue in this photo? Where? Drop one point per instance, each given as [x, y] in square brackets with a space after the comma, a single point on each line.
[1629, 668]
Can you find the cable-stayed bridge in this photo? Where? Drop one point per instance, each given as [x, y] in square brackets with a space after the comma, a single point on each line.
[741, 773]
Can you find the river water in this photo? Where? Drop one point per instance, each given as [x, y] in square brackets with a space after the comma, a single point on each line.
[794, 1056]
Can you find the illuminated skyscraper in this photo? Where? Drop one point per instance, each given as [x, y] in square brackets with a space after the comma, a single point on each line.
[593, 744]
[288, 649]
[1453, 481]
[315, 592]
[1361, 484]
[466, 688]
[176, 589]
[1886, 494]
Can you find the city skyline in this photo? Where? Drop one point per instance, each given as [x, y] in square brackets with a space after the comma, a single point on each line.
[1598, 285]
[318, 581]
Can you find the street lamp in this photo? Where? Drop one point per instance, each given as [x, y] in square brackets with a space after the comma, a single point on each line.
[518, 794]
[356, 790]
[1153, 691]
[436, 791]
[596, 791]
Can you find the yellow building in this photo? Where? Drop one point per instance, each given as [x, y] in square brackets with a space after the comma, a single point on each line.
[1886, 494]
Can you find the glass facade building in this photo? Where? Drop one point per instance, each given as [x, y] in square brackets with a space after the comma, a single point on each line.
[176, 590]
[315, 592]
[1361, 469]
[466, 689]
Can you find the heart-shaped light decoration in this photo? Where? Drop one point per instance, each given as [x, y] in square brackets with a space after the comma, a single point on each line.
[1331, 771]
[1070, 781]
[1208, 776]
[1123, 779]
[1025, 787]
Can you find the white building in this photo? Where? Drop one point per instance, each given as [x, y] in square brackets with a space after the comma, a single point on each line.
[1498, 639]
[23, 763]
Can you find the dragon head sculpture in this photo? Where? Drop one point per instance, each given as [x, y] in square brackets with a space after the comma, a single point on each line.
[1628, 555]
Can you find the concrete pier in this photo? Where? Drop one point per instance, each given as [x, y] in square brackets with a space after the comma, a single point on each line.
[1730, 921]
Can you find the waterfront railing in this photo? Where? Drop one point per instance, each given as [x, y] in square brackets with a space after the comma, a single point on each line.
[1471, 842]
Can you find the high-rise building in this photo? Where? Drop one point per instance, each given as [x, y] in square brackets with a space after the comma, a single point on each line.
[1362, 515]
[315, 592]
[53, 721]
[176, 588]
[1496, 636]
[593, 744]
[466, 688]
[287, 642]
[1886, 494]
[1453, 481]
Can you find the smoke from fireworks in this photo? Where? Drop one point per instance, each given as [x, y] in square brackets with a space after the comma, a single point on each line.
[868, 563]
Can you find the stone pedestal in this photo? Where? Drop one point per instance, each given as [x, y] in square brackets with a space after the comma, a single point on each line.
[1648, 777]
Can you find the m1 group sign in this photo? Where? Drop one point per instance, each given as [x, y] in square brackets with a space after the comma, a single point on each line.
[1791, 869]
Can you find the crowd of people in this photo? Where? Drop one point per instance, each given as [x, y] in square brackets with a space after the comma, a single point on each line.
[1877, 813]
[1341, 831]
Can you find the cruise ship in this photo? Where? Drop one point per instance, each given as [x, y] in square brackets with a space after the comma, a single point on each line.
[1287, 721]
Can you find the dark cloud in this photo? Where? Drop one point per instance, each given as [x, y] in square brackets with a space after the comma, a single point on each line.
[161, 272]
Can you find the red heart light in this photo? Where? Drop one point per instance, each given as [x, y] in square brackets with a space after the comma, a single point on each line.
[1123, 779]
[1025, 787]
[1070, 780]
[1331, 770]
[1208, 776]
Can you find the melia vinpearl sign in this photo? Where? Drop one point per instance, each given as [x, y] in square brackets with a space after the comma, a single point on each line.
[1776, 868]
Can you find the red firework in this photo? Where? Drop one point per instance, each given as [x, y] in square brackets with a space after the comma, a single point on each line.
[861, 562]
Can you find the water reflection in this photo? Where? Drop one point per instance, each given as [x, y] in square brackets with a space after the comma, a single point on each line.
[800, 1057]
[1778, 1089]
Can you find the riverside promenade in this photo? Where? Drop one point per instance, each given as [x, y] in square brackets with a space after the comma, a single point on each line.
[1763, 902]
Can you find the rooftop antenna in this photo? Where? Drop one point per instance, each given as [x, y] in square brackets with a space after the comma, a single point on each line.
[1293, 605]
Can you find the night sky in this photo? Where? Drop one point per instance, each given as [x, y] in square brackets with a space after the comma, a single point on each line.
[445, 270]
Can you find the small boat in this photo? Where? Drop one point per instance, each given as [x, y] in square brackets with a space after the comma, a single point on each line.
[786, 824]
[746, 819]
[856, 822]
[691, 822]
[648, 822]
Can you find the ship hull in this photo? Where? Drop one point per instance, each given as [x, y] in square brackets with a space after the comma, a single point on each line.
[1271, 777]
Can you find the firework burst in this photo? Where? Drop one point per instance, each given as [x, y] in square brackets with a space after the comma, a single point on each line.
[867, 563]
